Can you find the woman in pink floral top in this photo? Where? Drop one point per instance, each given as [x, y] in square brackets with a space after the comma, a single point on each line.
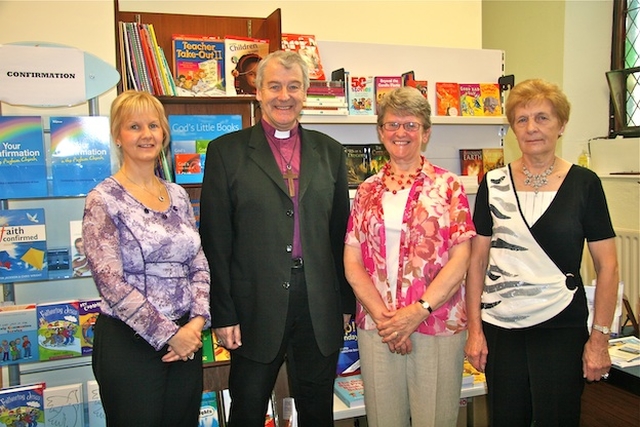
[406, 254]
[153, 278]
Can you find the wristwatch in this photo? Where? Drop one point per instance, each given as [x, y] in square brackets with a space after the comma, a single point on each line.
[603, 329]
[425, 305]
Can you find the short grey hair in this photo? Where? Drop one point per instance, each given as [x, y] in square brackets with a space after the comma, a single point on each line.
[288, 60]
[405, 101]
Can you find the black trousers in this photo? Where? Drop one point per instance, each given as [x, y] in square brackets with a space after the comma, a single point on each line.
[311, 374]
[136, 387]
[534, 376]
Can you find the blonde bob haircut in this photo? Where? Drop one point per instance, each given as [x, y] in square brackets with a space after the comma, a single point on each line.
[405, 101]
[537, 90]
[132, 102]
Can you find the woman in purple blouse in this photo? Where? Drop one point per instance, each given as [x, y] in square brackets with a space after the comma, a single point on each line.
[146, 260]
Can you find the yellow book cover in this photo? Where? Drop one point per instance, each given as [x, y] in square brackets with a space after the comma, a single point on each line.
[490, 99]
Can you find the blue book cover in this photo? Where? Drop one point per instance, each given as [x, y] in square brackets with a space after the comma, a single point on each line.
[18, 334]
[23, 245]
[64, 406]
[59, 335]
[209, 410]
[23, 164]
[349, 356]
[190, 136]
[80, 154]
[22, 406]
[350, 390]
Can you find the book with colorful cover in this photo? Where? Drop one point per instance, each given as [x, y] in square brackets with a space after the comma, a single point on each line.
[361, 95]
[190, 136]
[383, 85]
[207, 347]
[471, 163]
[409, 79]
[96, 415]
[23, 245]
[18, 334]
[378, 157]
[306, 46]
[79, 261]
[350, 390]
[59, 334]
[64, 406]
[490, 98]
[349, 356]
[209, 415]
[447, 99]
[198, 65]
[80, 153]
[470, 101]
[220, 353]
[89, 310]
[23, 160]
[357, 164]
[241, 57]
[492, 158]
[22, 406]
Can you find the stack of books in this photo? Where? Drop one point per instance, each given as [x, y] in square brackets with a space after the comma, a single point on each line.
[326, 97]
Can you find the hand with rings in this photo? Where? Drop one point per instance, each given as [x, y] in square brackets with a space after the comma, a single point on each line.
[605, 375]
[191, 356]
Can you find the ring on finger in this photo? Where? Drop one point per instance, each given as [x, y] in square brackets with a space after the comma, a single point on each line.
[605, 375]
[191, 356]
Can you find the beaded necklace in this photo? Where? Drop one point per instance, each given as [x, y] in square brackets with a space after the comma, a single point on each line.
[387, 172]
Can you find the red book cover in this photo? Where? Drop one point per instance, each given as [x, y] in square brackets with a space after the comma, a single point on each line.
[306, 46]
[471, 163]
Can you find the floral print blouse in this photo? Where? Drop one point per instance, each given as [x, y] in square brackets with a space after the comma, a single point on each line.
[148, 265]
[436, 218]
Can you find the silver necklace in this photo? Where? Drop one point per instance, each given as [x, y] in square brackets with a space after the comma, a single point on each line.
[538, 180]
[160, 196]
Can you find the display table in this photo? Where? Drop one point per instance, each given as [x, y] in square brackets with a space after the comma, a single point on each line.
[614, 402]
[342, 411]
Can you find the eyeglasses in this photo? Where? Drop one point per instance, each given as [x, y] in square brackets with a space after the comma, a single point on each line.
[394, 126]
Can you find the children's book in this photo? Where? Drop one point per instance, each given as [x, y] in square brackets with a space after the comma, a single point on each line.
[23, 245]
[492, 158]
[357, 164]
[471, 163]
[349, 356]
[22, 406]
[447, 99]
[23, 164]
[241, 56]
[378, 157]
[190, 137]
[79, 261]
[361, 95]
[89, 310]
[95, 412]
[198, 65]
[209, 415]
[470, 100]
[350, 390]
[64, 406]
[491, 100]
[80, 153]
[18, 334]
[59, 335]
[409, 79]
[384, 85]
[306, 46]
[219, 352]
[207, 347]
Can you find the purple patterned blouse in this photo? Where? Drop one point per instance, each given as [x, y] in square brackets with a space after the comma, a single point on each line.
[148, 265]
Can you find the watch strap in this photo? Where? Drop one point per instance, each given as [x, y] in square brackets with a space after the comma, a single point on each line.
[426, 305]
[602, 329]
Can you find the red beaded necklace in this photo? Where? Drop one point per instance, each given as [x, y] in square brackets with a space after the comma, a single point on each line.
[401, 179]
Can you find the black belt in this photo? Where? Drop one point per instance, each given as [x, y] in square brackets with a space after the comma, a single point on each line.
[297, 263]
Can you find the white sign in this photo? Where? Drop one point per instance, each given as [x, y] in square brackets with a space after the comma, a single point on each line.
[42, 75]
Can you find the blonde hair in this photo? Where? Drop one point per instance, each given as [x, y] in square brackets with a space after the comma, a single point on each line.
[535, 90]
[132, 102]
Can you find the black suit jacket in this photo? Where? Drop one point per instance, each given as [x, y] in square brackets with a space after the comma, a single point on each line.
[246, 224]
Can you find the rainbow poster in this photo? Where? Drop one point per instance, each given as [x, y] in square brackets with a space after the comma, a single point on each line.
[23, 164]
[80, 153]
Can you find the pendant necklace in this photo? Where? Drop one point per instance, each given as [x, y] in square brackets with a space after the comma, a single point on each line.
[159, 196]
[289, 175]
[538, 180]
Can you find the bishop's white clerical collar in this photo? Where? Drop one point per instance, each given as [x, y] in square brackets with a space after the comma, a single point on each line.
[282, 134]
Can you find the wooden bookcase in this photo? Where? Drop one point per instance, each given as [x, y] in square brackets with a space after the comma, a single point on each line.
[215, 375]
